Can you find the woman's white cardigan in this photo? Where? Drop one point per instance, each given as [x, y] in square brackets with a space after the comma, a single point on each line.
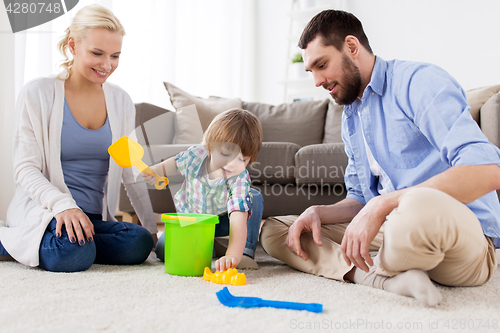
[41, 192]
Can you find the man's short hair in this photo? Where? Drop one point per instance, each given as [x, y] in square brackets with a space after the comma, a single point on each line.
[333, 26]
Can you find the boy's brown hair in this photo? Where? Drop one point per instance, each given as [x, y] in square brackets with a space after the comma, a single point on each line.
[237, 126]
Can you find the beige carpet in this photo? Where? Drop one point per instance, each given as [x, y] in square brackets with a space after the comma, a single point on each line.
[146, 299]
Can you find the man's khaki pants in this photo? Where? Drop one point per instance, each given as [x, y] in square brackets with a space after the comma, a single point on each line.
[429, 230]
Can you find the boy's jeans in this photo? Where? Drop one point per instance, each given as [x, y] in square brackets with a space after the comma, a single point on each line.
[114, 243]
[222, 228]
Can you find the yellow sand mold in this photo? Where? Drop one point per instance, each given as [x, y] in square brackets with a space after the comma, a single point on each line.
[230, 276]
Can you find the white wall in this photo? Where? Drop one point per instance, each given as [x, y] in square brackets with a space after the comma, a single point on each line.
[461, 36]
[272, 33]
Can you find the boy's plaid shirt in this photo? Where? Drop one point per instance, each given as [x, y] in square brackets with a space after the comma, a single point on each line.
[196, 195]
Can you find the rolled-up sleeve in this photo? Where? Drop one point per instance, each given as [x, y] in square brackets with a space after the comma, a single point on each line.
[351, 177]
[240, 195]
[440, 109]
[181, 162]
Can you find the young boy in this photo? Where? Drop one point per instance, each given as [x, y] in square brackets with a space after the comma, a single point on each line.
[217, 182]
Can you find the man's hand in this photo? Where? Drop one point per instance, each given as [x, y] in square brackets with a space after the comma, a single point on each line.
[363, 229]
[308, 221]
[77, 222]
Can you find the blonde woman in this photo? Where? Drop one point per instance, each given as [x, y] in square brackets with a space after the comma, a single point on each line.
[62, 215]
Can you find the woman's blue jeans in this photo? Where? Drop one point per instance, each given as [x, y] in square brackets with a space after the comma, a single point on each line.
[114, 243]
[222, 228]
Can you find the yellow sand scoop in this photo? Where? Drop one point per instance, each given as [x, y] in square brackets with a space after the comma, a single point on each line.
[127, 153]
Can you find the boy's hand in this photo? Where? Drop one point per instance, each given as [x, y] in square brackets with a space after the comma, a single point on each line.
[226, 262]
[149, 178]
[149, 175]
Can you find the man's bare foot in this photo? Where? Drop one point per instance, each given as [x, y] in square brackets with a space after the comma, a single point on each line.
[412, 283]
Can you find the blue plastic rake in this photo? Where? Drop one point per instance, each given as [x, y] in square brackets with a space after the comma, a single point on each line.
[227, 299]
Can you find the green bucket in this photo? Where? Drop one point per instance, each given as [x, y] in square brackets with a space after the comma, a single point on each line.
[188, 249]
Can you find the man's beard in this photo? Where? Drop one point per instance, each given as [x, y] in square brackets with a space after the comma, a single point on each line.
[351, 83]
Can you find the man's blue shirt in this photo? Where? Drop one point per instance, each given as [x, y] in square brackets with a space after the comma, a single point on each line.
[416, 121]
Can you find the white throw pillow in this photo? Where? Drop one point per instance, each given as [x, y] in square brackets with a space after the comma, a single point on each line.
[194, 114]
[187, 126]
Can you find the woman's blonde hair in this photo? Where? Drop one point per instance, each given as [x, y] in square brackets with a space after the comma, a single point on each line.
[237, 126]
[89, 17]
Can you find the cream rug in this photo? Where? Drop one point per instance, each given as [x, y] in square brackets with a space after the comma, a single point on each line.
[146, 299]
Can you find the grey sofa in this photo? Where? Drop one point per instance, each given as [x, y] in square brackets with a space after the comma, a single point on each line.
[302, 160]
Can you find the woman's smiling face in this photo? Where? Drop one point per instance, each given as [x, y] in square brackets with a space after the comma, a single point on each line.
[96, 56]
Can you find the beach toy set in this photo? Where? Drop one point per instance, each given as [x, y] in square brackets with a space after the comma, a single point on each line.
[188, 248]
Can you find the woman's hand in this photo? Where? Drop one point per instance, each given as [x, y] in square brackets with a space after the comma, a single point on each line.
[226, 262]
[76, 222]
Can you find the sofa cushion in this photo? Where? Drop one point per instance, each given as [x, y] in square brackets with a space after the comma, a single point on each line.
[194, 114]
[275, 163]
[302, 123]
[477, 97]
[490, 119]
[155, 125]
[322, 164]
[333, 123]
